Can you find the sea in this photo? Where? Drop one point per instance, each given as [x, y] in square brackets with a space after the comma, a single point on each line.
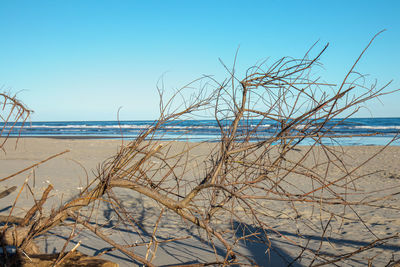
[382, 130]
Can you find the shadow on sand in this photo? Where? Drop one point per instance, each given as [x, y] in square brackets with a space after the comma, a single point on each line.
[258, 250]
[196, 249]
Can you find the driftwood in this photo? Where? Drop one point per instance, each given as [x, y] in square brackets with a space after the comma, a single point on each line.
[13, 111]
[244, 169]
[49, 260]
[7, 192]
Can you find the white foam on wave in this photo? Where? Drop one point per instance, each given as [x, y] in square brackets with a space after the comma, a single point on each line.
[133, 126]
[378, 127]
[90, 126]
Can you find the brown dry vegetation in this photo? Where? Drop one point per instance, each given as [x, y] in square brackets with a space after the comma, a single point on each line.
[235, 192]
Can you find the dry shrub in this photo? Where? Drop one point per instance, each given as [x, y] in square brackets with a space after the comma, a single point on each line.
[12, 112]
[247, 181]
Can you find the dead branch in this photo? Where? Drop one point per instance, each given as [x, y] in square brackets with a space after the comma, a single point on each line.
[7, 192]
[246, 181]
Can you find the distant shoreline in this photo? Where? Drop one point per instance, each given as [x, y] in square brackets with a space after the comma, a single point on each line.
[376, 131]
[128, 139]
[62, 137]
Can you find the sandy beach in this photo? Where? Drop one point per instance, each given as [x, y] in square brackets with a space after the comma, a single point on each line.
[70, 172]
[188, 133]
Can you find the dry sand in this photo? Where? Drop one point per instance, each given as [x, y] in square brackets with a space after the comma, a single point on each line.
[69, 173]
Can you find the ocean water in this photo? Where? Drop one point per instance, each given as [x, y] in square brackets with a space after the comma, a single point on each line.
[208, 130]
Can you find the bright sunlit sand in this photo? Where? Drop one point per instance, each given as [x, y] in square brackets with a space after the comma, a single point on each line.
[68, 176]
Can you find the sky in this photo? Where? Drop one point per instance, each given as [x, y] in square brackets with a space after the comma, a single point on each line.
[84, 60]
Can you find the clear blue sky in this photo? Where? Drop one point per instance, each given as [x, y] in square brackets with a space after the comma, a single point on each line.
[83, 59]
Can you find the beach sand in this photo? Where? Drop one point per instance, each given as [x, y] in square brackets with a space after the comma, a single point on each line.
[70, 172]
